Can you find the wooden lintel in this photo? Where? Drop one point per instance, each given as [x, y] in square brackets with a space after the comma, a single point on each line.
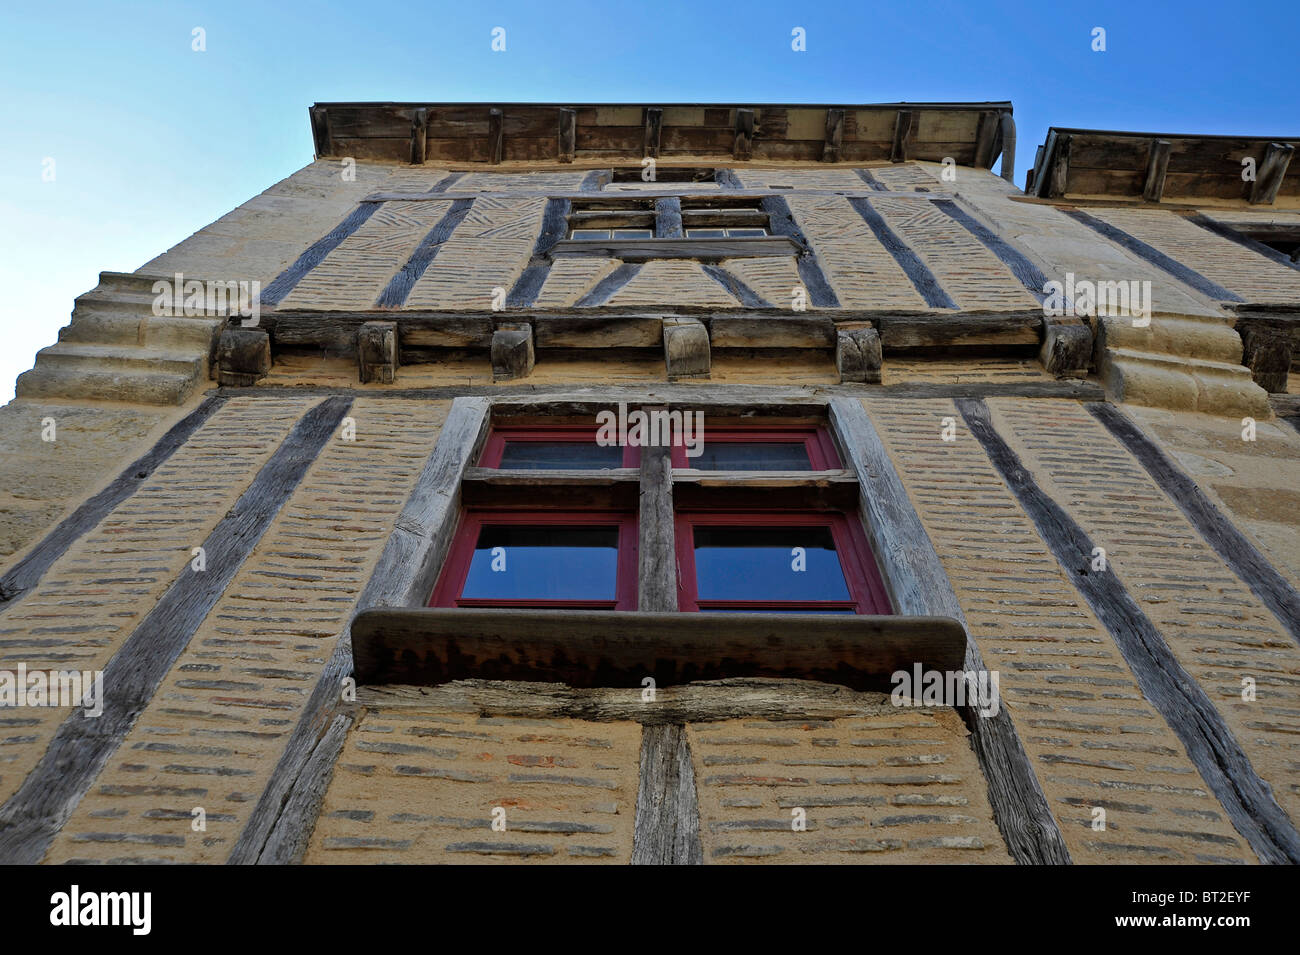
[568, 134]
[743, 147]
[419, 128]
[1271, 171]
[834, 135]
[1157, 167]
[653, 128]
[496, 135]
[593, 198]
[904, 132]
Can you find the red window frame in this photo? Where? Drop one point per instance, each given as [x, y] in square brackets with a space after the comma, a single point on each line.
[495, 446]
[822, 455]
[456, 567]
[866, 588]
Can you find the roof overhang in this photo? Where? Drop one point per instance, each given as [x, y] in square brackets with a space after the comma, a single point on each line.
[971, 134]
[1162, 167]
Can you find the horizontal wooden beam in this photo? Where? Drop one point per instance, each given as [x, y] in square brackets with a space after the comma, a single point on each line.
[615, 197]
[706, 250]
[588, 648]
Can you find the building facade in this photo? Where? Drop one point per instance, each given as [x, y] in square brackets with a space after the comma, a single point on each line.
[672, 484]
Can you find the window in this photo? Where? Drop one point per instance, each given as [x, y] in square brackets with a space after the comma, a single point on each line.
[555, 559]
[707, 216]
[760, 449]
[775, 562]
[778, 544]
[550, 448]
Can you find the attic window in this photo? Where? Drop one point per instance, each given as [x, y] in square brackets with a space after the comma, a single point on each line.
[685, 225]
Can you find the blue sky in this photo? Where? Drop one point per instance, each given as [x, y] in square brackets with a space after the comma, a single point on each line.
[152, 140]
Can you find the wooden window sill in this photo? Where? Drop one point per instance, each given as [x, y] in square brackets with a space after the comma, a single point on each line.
[610, 648]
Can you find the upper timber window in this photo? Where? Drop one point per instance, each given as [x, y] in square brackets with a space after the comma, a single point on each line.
[549, 448]
[760, 449]
[674, 217]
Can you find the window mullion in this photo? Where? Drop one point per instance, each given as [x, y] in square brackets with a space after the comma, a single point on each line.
[668, 218]
[657, 554]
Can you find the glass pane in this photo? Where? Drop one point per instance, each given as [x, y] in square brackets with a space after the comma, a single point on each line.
[768, 563]
[705, 233]
[590, 234]
[746, 233]
[544, 563]
[633, 233]
[585, 455]
[751, 456]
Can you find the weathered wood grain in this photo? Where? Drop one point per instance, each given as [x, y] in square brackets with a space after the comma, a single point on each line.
[419, 125]
[1153, 186]
[654, 117]
[667, 826]
[377, 354]
[668, 218]
[1178, 697]
[588, 648]
[287, 843]
[512, 351]
[243, 356]
[858, 355]
[82, 746]
[567, 134]
[496, 136]
[1272, 170]
[834, 135]
[686, 349]
[904, 134]
[742, 149]
[656, 544]
[917, 584]
[25, 574]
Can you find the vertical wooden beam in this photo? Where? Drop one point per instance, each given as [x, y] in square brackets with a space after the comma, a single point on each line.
[496, 135]
[1058, 177]
[917, 584]
[656, 532]
[568, 134]
[512, 351]
[653, 129]
[903, 131]
[668, 218]
[1157, 166]
[667, 827]
[743, 147]
[834, 135]
[1269, 175]
[686, 348]
[320, 131]
[985, 139]
[377, 352]
[419, 126]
